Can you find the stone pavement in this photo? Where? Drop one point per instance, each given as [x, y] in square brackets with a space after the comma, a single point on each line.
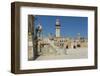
[71, 54]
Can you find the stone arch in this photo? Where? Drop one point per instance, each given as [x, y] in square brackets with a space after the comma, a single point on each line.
[78, 45]
[67, 46]
[74, 46]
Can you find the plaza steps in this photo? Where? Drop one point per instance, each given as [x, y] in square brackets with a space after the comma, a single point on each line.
[56, 50]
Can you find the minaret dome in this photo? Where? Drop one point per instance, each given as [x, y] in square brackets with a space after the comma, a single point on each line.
[57, 22]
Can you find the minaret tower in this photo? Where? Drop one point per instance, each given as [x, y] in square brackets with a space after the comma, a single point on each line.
[57, 28]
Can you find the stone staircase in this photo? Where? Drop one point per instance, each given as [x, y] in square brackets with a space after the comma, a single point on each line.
[57, 50]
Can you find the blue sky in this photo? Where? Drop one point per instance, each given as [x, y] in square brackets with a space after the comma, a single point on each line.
[70, 25]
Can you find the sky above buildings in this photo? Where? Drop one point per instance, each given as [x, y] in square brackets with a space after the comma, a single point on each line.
[70, 25]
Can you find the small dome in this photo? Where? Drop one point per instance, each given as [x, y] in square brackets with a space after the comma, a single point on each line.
[57, 21]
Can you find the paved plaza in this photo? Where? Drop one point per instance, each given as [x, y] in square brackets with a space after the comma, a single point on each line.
[71, 54]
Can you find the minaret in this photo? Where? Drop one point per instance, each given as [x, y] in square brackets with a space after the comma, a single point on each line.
[57, 28]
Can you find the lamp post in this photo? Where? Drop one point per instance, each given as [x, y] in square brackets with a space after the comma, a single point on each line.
[39, 30]
[38, 37]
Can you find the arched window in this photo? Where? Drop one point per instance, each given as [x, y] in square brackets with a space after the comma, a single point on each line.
[67, 47]
[78, 45]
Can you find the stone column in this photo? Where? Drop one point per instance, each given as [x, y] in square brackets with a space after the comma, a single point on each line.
[32, 51]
